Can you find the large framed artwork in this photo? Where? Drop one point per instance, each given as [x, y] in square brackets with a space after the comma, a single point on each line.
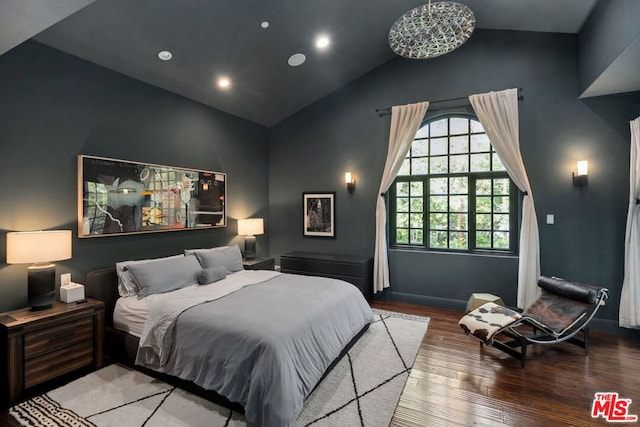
[117, 197]
[319, 214]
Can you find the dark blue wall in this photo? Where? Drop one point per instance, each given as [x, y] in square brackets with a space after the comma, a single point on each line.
[54, 106]
[311, 151]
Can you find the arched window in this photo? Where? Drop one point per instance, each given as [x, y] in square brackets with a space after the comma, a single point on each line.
[452, 192]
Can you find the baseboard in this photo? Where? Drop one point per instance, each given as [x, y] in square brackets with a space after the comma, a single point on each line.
[600, 325]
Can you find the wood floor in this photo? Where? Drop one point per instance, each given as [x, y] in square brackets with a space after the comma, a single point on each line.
[456, 383]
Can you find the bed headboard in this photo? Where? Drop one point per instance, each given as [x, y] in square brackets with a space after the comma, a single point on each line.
[102, 284]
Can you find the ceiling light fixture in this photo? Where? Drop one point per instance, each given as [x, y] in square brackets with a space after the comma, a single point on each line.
[224, 82]
[297, 59]
[431, 30]
[265, 24]
[165, 55]
[322, 42]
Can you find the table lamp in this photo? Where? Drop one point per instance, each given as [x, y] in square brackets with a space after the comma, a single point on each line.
[250, 227]
[39, 248]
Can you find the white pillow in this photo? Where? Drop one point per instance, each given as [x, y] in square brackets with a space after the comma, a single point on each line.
[127, 285]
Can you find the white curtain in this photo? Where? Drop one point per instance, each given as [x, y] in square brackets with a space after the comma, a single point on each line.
[498, 113]
[629, 316]
[405, 121]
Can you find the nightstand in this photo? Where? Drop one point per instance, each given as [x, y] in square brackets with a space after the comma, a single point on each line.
[259, 264]
[39, 346]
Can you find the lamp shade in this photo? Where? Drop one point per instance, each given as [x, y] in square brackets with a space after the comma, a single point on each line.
[38, 246]
[250, 226]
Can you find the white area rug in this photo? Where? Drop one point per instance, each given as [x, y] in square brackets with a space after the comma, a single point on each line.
[363, 389]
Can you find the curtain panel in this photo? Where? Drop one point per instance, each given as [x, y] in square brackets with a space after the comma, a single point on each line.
[629, 316]
[405, 121]
[498, 113]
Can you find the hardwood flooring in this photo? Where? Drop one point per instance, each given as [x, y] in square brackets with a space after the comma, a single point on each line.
[454, 382]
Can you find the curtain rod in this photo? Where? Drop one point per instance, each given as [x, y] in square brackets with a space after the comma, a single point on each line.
[387, 111]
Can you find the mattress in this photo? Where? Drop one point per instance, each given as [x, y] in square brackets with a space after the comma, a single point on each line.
[130, 315]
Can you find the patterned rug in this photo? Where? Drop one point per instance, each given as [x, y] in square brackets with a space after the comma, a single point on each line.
[363, 389]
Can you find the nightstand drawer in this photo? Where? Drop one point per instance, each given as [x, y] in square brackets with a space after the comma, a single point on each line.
[59, 362]
[51, 339]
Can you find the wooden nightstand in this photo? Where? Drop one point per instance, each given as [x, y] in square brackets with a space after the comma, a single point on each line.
[42, 345]
[259, 264]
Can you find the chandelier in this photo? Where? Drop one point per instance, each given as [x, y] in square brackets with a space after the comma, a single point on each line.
[431, 30]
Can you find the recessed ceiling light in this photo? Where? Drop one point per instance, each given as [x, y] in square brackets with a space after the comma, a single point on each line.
[297, 59]
[265, 24]
[322, 42]
[224, 82]
[165, 55]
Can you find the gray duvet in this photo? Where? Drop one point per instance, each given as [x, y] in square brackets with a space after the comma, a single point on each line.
[266, 345]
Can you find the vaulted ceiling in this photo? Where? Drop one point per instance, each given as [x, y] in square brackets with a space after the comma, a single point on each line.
[209, 39]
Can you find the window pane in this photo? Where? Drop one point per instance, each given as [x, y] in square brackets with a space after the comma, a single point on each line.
[458, 221]
[416, 188]
[420, 148]
[438, 221]
[402, 220]
[423, 132]
[416, 220]
[480, 162]
[501, 240]
[417, 237]
[439, 127]
[458, 240]
[475, 126]
[483, 239]
[459, 144]
[480, 143]
[458, 185]
[438, 185]
[402, 204]
[458, 125]
[501, 222]
[497, 164]
[404, 169]
[439, 147]
[459, 164]
[483, 204]
[420, 166]
[439, 165]
[438, 239]
[417, 204]
[458, 203]
[402, 188]
[438, 204]
[501, 204]
[501, 187]
[402, 235]
[483, 186]
[483, 221]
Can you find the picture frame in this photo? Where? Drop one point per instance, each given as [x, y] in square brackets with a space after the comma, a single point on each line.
[121, 197]
[319, 214]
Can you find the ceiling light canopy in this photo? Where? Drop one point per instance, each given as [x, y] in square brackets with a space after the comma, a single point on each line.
[165, 55]
[297, 59]
[431, 30]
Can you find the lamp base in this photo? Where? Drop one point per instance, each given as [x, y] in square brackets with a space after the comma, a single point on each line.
[249, 247]
[41, 285]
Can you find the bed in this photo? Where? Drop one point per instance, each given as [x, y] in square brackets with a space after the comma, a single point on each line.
[261, 339]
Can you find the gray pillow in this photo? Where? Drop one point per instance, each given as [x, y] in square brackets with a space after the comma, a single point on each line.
[212, 274]
[127, 285]
[166, 275]
[229, 257]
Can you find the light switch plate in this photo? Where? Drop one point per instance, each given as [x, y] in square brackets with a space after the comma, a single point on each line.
[551, 219]
[65, 279]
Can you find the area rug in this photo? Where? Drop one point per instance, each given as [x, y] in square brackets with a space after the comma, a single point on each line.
[363, 389]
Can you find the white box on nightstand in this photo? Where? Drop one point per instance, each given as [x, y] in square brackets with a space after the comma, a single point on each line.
[71, 292]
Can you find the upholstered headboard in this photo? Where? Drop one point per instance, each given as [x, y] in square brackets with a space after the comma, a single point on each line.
[102, 284]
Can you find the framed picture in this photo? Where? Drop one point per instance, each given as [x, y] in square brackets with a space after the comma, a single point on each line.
[319, 210]
[118, 197]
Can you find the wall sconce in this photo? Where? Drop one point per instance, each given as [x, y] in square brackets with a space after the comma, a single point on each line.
[250, 227]
[351, 182]
[580, 178]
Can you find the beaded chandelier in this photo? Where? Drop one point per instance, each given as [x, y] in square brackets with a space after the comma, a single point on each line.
[431, 30]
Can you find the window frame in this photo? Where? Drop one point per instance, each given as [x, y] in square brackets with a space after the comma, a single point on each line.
[515, 199]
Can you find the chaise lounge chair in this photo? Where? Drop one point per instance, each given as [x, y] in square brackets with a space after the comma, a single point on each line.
[562, 311]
